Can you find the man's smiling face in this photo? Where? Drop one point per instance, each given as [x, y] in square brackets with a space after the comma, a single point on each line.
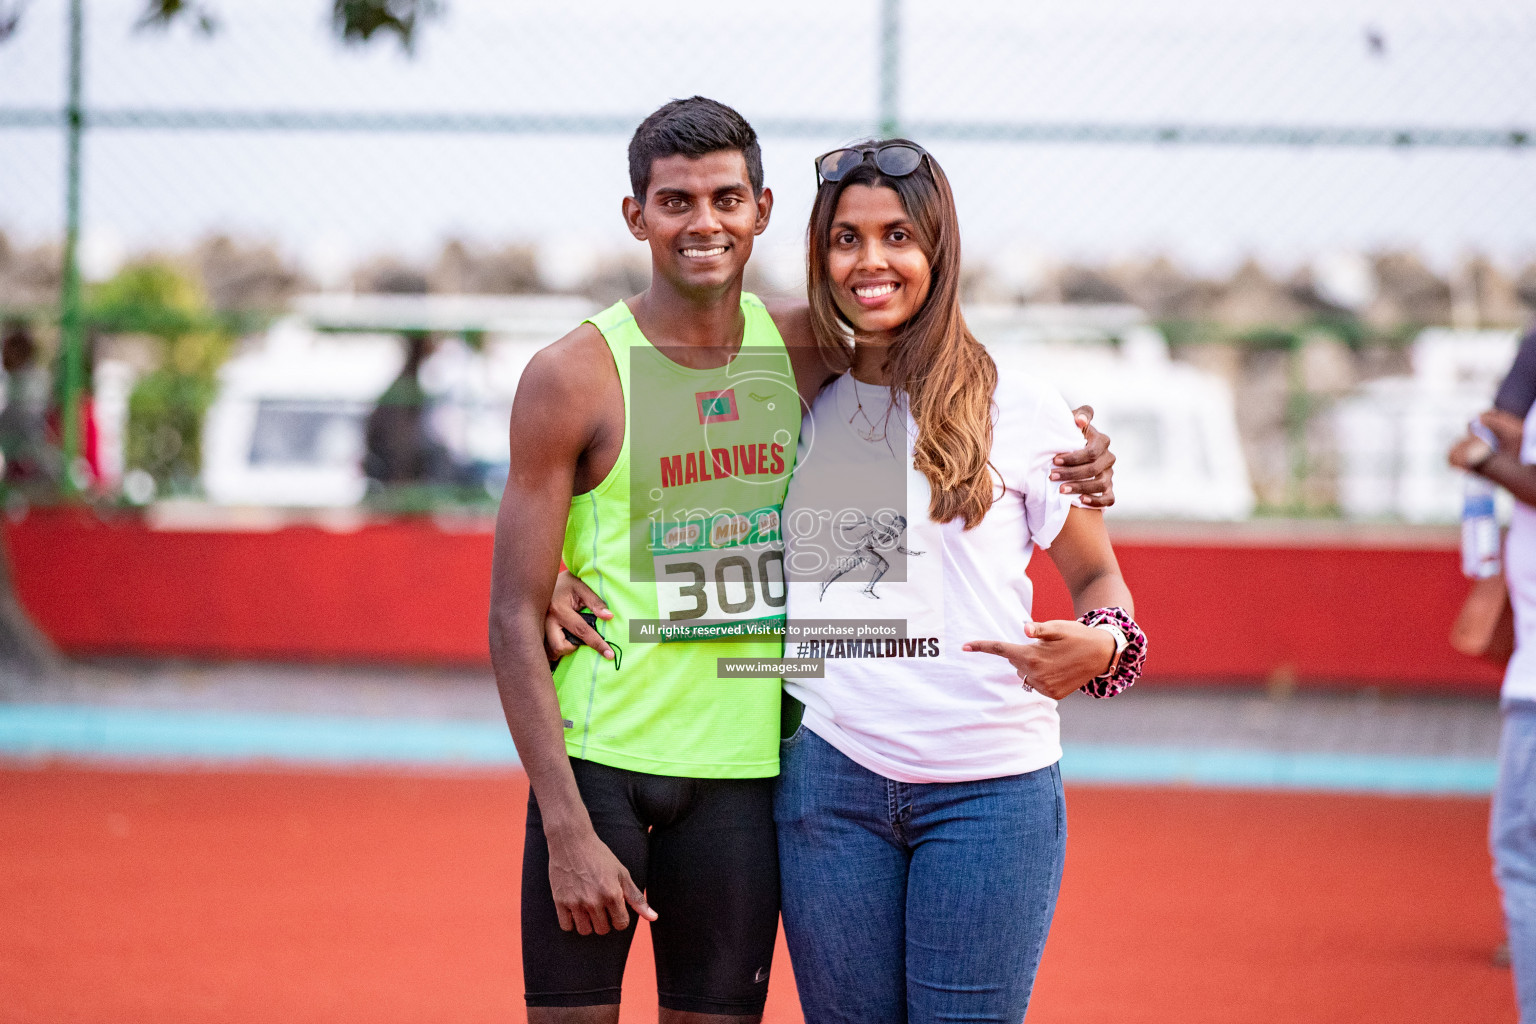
[700, 218]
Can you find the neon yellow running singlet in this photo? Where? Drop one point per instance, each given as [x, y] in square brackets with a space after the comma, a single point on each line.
[682, 540]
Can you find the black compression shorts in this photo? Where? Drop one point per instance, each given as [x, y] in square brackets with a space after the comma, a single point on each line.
[706, 854]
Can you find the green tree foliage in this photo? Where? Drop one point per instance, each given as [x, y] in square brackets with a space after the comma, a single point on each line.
[167, 406]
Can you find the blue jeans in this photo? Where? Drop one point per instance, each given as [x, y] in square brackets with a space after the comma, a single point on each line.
[907, 902]
[1512, 836]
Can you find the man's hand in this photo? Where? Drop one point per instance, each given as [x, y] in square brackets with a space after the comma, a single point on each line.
[592, 890]
[1089, 471]
[1065, 656]
[565, 605]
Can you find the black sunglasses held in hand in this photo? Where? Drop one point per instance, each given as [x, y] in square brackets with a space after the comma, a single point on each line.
[895, 159]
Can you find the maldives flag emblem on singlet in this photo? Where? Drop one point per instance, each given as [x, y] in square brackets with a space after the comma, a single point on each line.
[717, 406]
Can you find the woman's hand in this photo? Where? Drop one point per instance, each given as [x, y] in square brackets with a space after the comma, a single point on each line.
[1089, 471]
[565, 605]
[1065, 656]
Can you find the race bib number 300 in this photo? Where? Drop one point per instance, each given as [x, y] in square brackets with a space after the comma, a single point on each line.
[720, 576]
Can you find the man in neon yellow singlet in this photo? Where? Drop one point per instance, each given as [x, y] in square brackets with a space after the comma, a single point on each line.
[650, 450]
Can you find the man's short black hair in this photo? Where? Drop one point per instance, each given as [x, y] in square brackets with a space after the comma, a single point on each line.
[692, 127]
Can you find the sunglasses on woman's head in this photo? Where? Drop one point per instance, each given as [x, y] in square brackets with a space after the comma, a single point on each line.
[894, 159]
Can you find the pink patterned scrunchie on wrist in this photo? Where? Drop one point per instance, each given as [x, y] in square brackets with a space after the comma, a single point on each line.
[1128, 669]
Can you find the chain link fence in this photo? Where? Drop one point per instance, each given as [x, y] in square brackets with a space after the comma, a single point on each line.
[1287, 196]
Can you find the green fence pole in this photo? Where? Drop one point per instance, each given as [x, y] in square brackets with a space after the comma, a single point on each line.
[890, 68]
[71, 321]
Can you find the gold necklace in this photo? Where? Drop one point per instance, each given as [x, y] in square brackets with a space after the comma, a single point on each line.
[871, 435]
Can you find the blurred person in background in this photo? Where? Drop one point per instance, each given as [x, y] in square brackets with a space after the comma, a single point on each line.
[23, 420]
[86, 471]
[1512, 830]
[399, 445]
[652, 779]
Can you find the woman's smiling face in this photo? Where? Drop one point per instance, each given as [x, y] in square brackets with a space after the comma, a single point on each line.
[880, 275]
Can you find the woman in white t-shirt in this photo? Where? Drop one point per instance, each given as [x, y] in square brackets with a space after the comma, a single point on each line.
[919, 807]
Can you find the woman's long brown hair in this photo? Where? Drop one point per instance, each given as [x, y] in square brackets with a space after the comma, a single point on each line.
[947, 376]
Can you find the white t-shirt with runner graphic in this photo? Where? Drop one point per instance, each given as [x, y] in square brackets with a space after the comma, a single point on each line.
[918, 708]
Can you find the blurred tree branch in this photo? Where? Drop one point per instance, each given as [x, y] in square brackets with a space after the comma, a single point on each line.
[354, 21]
[10, 18]
[161, 13]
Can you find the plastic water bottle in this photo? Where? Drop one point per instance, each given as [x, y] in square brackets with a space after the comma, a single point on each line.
[1480, 557]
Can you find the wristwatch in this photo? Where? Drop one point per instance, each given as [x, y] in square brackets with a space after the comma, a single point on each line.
[1121, 640]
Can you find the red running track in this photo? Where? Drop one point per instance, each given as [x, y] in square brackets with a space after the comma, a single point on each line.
[204, 898]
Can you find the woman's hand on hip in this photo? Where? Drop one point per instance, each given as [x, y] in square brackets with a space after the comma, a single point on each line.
[1064, 656]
